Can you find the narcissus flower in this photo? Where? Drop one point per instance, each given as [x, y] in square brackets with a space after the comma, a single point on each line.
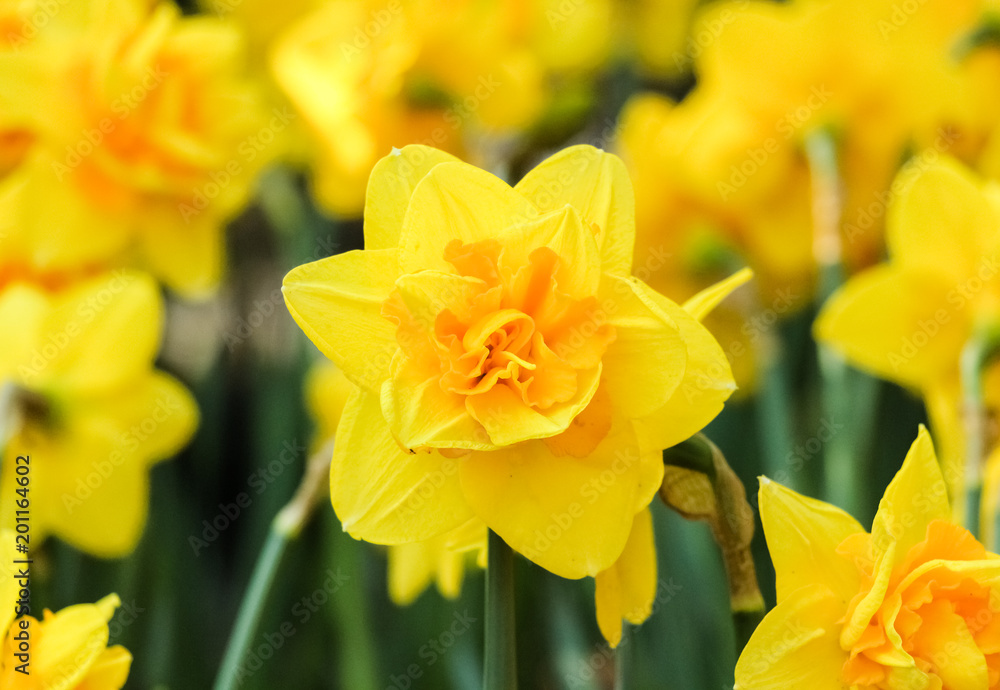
[69, 649]
[91, 414]
[145, 138]
[908, 320]
[508, 366]
[911, 605]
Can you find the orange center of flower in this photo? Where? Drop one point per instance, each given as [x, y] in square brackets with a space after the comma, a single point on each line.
[500, 334]
[510, 326]
[936, 610]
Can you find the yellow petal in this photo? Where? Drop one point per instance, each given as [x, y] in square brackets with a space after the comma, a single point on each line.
[107, 331]
[569, 515]
[899, 324]
[421, 414]
[706, 384]
[72, 641]
[411, 569]
[942, 221]
[708, 299]
[188, 256]
[390, 187]
[627, 589]
[647, 359]
[802, 537]
[796, 645]
[457, 201]
[382, 494]
[110, 671]
[597, 185]
[563, 231]
[914, 497]
[338, 303]
[22, 346]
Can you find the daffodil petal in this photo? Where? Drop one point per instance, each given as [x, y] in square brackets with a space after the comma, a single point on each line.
[390, 187]
[915, 496]
[456, 201]
[627, 589]
[381, 493]
[796, 645]
[423, 415]
[706, 384]
[562, 230]
[508, 420]
[188, 257]
[570, 515]
[22, 314]
[337, 302]
[106, 331]
[942, 221]
[598, 186]
[700, 305]
[74, 638]
[897, 323]
[802, 536]
[110, 670]
[647, 359]
[945, 635]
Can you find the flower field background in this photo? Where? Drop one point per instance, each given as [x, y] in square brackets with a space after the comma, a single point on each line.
[313, 312]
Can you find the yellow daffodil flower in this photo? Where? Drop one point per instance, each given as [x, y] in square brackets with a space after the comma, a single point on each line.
[911, 605]
[627, 589]
[68, 649]
[89, 412]
[908, 320]
[145, 139]
[508, 366]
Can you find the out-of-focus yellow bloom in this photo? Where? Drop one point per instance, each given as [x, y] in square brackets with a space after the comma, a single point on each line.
[68, 649]
[662, 36]
[369, 75]
[908, 320]
[327, 390]
[443, 560]
[509, 367]
[146, 136]
[910, 605]
[731, 159]
[92, 413]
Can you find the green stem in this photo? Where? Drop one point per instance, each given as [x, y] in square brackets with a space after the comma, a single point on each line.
[285, 527]
[973, 420]
[500, 666]
[252, 607]
[623, 659]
